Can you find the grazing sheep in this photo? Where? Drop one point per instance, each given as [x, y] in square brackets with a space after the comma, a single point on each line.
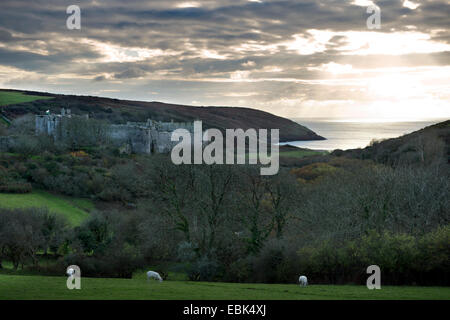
[154, 275]
[303, 281]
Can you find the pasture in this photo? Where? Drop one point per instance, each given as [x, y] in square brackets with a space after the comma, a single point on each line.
[13, 97]
[74, 209]
[18, 287]
[301, 153]
[290, 152]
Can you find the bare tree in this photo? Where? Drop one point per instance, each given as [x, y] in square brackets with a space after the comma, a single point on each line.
[254, 216]
[215, 201]
[174, 191]
[282, 194]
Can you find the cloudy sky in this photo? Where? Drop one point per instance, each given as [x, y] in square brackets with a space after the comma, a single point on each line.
[293, 58]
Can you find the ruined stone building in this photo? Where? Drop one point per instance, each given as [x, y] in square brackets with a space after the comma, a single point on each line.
[133, 137]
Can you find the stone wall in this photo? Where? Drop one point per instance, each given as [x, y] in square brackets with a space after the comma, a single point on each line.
[162, 141]
[137, 137]
[48, 124]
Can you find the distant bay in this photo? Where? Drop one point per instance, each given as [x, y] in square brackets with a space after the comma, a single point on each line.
[351, 134]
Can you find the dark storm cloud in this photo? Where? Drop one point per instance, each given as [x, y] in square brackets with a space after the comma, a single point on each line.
[130, 73]
[100, 78]
[5, 36]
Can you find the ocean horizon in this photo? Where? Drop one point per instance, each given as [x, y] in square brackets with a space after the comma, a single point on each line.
[351, 134]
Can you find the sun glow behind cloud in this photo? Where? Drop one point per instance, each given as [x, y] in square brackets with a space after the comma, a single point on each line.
[388, 94]
[115, 53]
[410, 5]
[189, 4]
[367, 42]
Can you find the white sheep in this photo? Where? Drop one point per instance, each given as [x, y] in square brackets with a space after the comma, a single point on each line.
[70, 272]
[303, 281]
[154, 275]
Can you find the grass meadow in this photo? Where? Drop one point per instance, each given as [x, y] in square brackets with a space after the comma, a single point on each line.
[20, 287]
[13, 97]
[74, 209]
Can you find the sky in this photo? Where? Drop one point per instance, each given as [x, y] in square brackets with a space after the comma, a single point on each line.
[293, 58]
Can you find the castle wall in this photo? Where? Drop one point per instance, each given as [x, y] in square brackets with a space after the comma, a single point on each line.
[146, 137]
[49, 124]
[40, 125]
[162, 141]
[139, 139]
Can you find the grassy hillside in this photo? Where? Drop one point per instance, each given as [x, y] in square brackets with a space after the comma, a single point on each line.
[74, 209]
[295, 152]
[422, 146]
[39, 287]
[14, 97]
[121, 111]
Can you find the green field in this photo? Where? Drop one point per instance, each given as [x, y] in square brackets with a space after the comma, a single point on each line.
[39, 287]
[301, 153]
[13, 97]
[74, 209]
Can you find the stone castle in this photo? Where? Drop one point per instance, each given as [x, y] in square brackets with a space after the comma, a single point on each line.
[133, 137]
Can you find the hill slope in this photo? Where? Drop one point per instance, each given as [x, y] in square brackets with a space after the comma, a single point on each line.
[120, 111]
[427, 145]
[74, 209]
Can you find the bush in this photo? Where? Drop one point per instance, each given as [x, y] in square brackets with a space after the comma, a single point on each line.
[16, 187]
[434, 257]
[24, 232]
[276, 263]
[403, 259]
[26, 145]
[313, 171]
[395, 254]
[324, 263]
[239, 271]
[203, 269]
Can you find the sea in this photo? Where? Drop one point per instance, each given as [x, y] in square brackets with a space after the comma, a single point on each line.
[351, 134]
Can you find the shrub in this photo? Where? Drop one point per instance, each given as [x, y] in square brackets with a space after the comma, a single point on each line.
[26, 145]
[313, 171]
[239, 271]
[403, 259]
[276, 263]
[16, 187]
[203, 269]
[434, 257]
[395, 254]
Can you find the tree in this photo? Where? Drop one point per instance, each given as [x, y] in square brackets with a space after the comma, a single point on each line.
[215, 199]
[254, 216]
[79, 132]
[21, 235]
[173, 191]
[54, 231]
[281, 194]
[95, 234]
[24, 125]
